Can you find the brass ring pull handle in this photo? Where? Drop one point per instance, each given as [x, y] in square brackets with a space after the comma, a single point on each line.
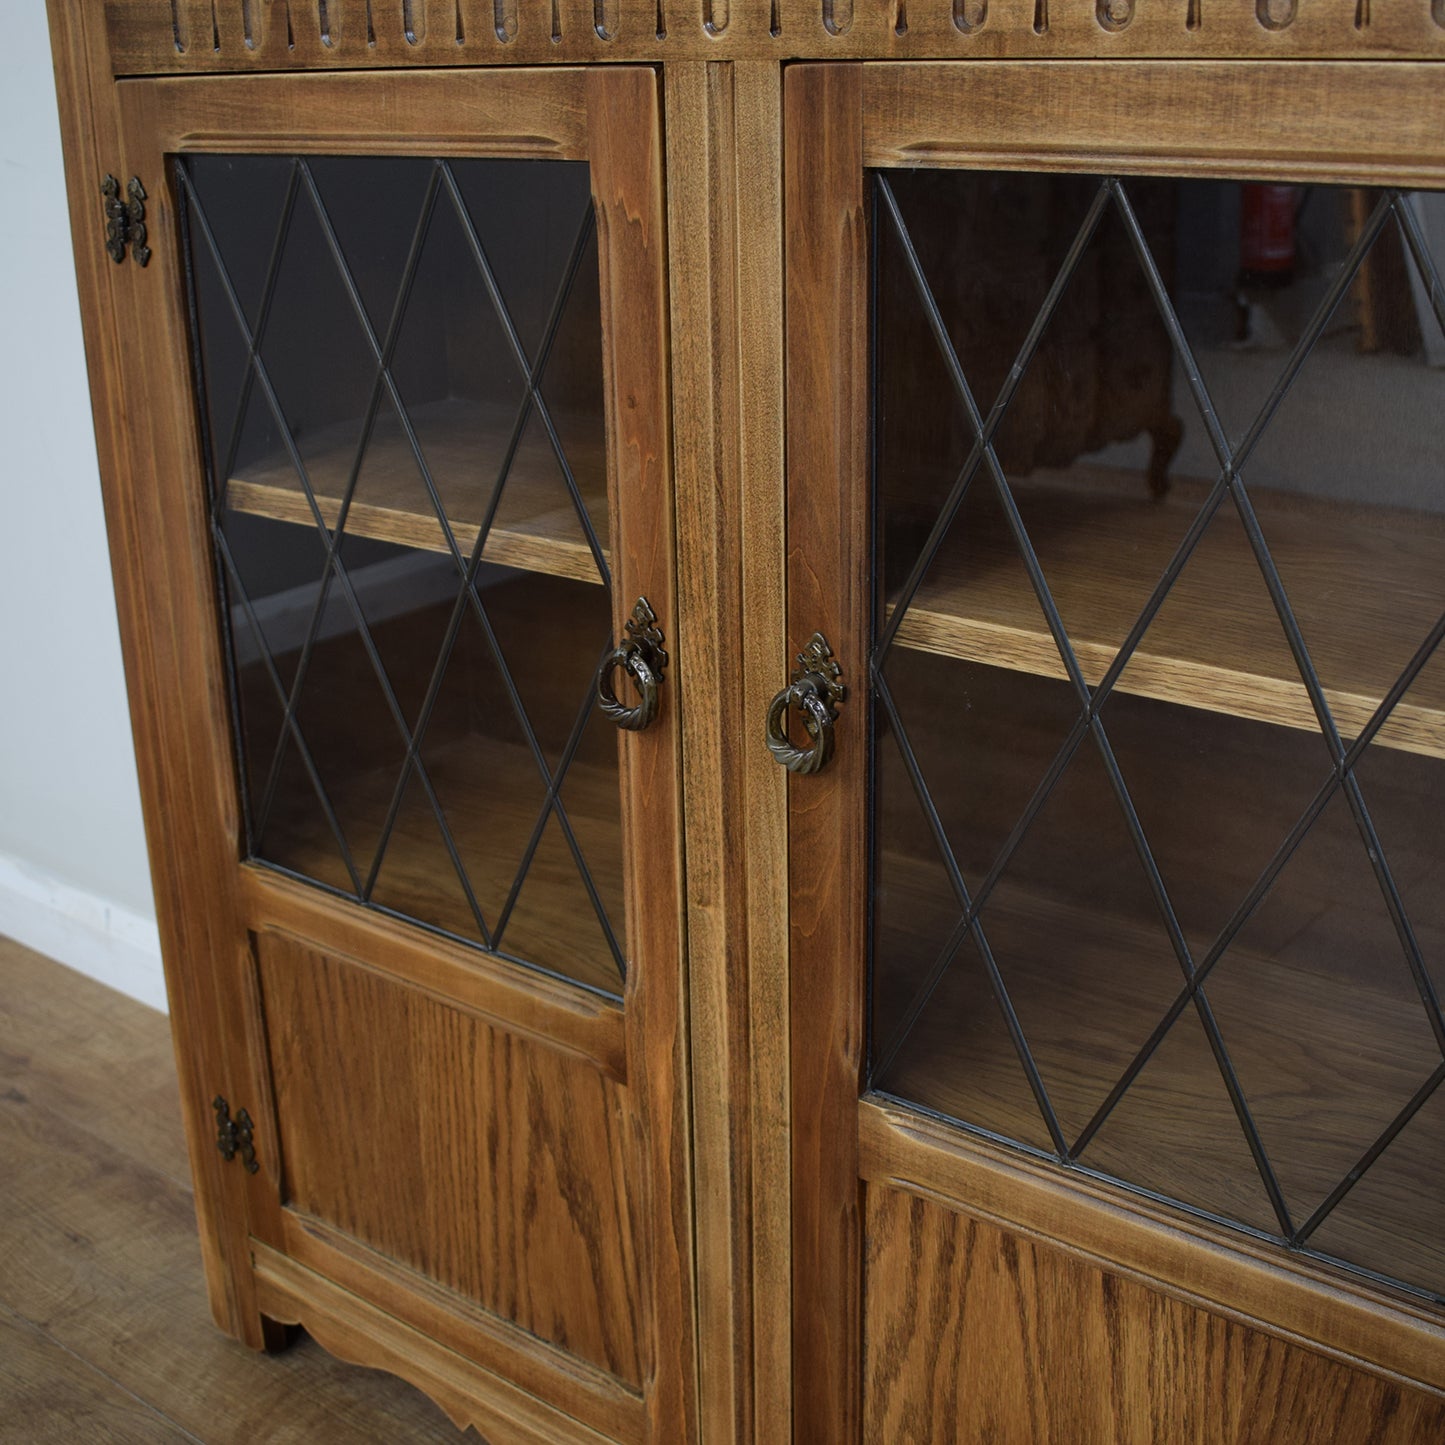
[629, 719]
[815, 690]
[642, 658]
[817, 719]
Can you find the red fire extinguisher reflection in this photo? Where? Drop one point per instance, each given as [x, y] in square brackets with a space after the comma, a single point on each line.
[1267, 234]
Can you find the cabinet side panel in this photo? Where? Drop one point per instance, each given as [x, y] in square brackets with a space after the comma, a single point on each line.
[479, 1159]
[974, 1333]
[161, 566]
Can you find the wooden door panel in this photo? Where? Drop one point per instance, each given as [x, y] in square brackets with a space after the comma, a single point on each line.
[974, 1333]
[492, 1164]
[455, 1120]
[912, 1322]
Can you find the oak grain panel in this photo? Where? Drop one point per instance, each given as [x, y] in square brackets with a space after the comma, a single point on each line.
[1373, 124]
[494, 1167]
[828, 568]
[973, 1333]
[1199, 1264]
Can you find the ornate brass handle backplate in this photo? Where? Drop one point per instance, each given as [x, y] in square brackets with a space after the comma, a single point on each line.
[816, 691]
[640, 656]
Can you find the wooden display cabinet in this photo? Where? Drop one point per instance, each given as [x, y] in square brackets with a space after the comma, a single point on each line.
[1017, 1069]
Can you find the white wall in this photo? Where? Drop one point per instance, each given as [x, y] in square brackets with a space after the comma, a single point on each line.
[73, 875]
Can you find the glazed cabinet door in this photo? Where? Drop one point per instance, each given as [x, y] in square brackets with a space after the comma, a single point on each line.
[396, 530]
[1116, 468]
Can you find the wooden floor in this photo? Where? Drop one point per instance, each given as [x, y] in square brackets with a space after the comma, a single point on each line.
[104, 1330]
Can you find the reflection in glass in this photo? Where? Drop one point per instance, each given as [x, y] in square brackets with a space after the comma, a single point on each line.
[1159, 755]
[399, 363]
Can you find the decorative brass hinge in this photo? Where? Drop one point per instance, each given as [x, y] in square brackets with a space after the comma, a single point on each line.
[125, 220]
[234, 1136]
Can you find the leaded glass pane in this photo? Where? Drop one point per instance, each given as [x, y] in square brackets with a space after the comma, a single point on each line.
[400, 374]
[1159, 734]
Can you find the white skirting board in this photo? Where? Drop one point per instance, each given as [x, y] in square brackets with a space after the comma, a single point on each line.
[81, 930]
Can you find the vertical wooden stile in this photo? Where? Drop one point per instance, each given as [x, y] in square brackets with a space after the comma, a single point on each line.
[725, 223]
[828, 568]
[624, 133]
[702, 228]
[759, 341]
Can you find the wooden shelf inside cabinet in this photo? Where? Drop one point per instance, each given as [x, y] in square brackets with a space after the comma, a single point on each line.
[536, 527]
[482, 771]
[490, 821]
[1364, 582]
[1106, 983]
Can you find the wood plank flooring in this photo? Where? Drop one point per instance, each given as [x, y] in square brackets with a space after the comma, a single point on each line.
[105, 1333]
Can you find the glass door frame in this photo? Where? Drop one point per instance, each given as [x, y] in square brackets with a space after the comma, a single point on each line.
[1142, 117]
[210, 903]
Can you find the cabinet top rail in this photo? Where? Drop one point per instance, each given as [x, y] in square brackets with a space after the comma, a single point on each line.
[148, 37]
